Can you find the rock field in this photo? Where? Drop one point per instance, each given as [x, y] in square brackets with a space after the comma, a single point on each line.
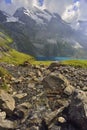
[43, 98]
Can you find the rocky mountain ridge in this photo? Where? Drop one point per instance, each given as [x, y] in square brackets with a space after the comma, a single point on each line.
[41, 33]
[43, 98]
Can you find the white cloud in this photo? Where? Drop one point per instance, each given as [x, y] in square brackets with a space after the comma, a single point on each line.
[57, 5]
[10, 8]
[72, 12]
[53, 5]
[35, 3]
[62, 7]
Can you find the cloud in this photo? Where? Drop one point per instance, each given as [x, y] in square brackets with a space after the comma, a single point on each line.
[10, 8]
[53, 5]
[57, 5]
[39, 3]
[77, 9]
[72, 12]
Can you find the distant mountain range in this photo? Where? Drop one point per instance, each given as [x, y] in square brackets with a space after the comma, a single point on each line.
[42, 33]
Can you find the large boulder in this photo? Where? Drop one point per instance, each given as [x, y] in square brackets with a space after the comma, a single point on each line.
[7, 102]
[76, 114]
[59, 83]
[53, 81]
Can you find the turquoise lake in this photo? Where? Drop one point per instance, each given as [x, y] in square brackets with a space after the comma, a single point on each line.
[53, 58]
[40, 58]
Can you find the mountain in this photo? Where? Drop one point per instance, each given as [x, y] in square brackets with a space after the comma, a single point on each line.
[82, 26]
[41, 33]
[35, 15]
[7, 54]
[3, 17]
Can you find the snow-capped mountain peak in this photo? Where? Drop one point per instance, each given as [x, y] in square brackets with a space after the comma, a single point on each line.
[36, 14]
[40, 32]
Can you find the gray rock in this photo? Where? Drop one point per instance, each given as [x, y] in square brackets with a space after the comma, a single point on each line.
[7, 124]
[4, 123]
[69, 90]
[21, 95]
[50, 117]
[54, 65]
[54, 127]
[7, 101]
[81, 95]
[34, 128]
[76, 114]
[53, 81]
[61, 119]
[2, 115]
[21, 112]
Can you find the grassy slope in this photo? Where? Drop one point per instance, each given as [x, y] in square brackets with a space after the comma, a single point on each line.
[78, 63]
[15, 57]
[12, 56]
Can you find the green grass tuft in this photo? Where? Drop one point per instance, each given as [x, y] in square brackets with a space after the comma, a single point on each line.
[4, 79]
[3, 72]
[15, 57]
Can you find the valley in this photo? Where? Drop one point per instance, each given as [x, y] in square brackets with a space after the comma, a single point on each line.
[43, 71]
[42, 33]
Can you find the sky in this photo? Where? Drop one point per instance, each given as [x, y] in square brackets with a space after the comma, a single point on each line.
[69, 10]
[8, 1]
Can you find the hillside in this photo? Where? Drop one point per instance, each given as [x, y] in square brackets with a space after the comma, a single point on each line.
[42, 33]
[39, 97]
[12, 56]
[35, 94]
[9, 55]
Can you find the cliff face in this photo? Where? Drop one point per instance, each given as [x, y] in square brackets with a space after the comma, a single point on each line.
[43, 98]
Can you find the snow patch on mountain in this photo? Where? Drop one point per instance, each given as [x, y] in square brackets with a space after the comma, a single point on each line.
[36, 14]
[12, 19]
[31, 14]
[77, 45]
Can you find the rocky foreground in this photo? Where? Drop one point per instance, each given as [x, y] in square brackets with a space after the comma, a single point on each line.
[44, 98]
